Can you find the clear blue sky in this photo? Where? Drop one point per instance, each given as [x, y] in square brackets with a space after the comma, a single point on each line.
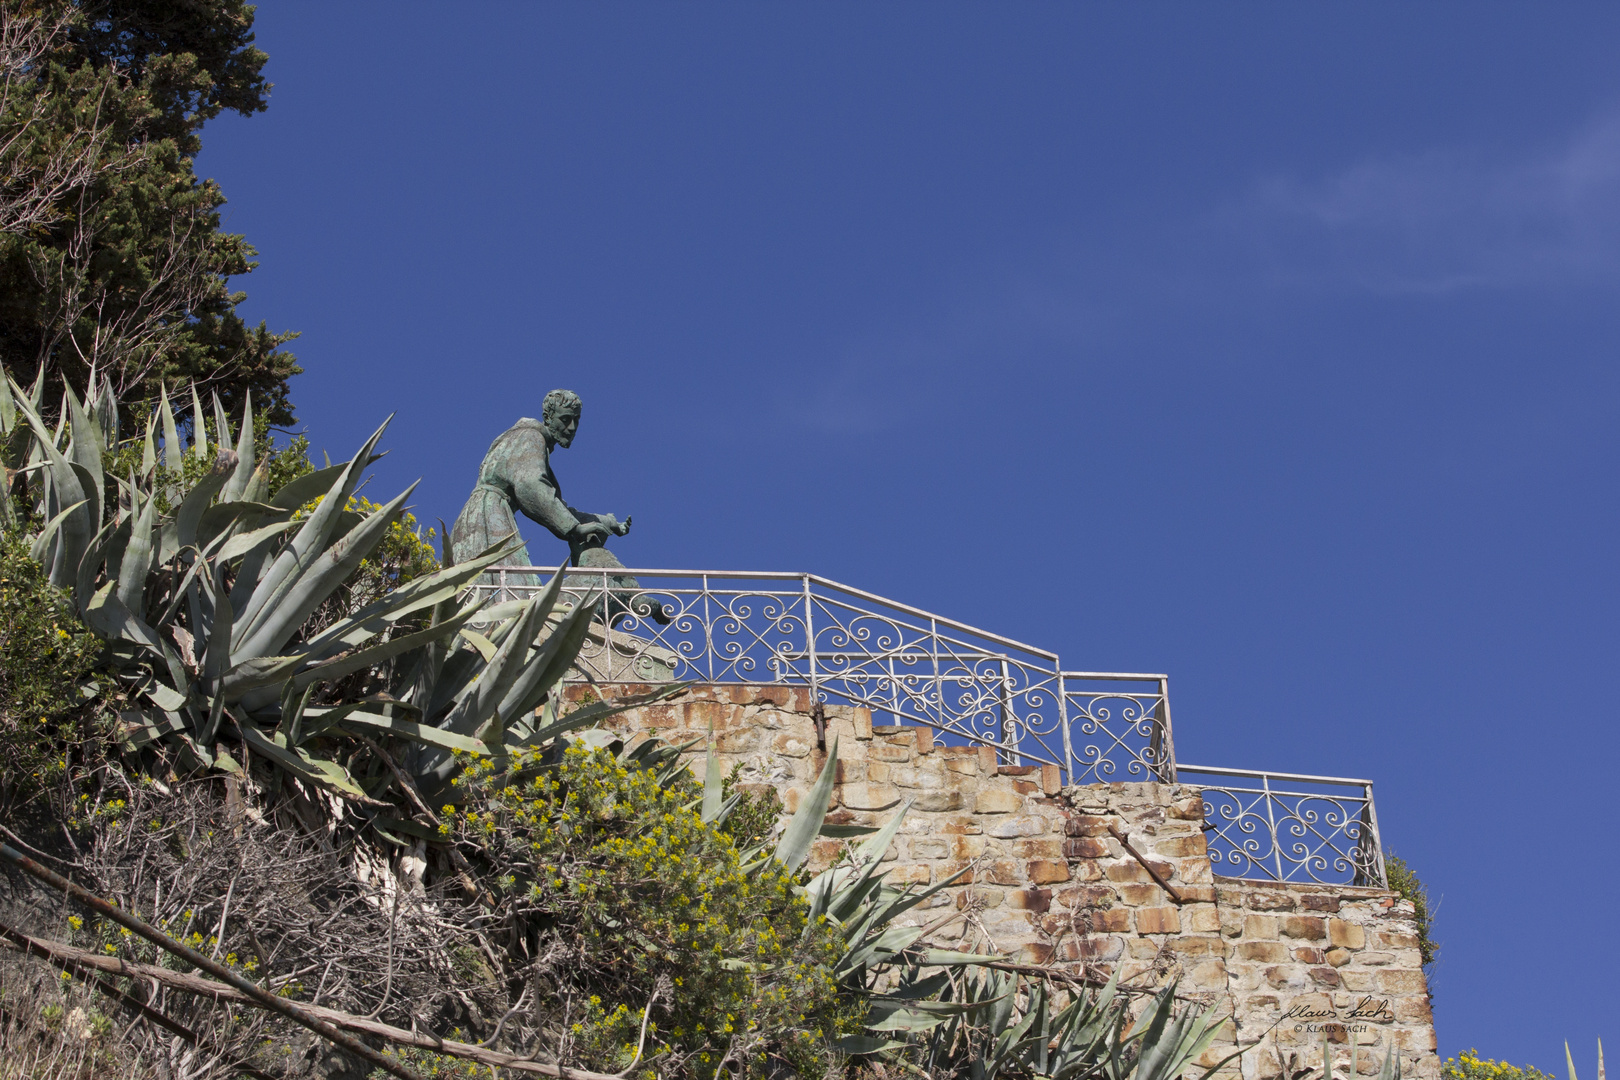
[1272, 346]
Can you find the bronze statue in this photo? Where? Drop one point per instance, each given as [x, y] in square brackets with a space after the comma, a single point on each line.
[516, 476]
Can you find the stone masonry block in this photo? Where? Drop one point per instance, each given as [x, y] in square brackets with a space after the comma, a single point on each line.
[1047, 871]
[1339, 957]
[1309, 955]
[1043, 848]
[1306, 927]
[1137, 894]
[884, 750]
[1004, 872]
[911, 874]
[1159, 920]
[938, 801]
[1051, 779]
[1177, 846]
[1346, 935]
[1202, 918]
[1012, 827]
[862, 718]
[962, 825]
[930, 848]
[1037, 900]
[1085, 847]
[1401, 982]
[1189, 809]
[789, 744]
[1265, 900]
[1085, 825]
[967, 847]
[1110, 921]
[997, 800]
[1265, 952]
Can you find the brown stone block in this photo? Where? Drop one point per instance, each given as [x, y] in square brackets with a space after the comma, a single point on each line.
[1265, 952]
[1202, 918]
[1309, 955]
[1160, 920]
[965, 766]
[1329, 904]
[878, 772]
[1036, 953]
[1260, 927]
[1126, 870]
[1346, 935]
[1401, 982]
[700, 715]
[1051, 779]
[1016, 770]
[1085, 847]
[938, 801]
[1197, 894]
[967, 847]
[925, 740]
[737, 742]
[1026, 787]
[1022, 825]
[1141, 948]
[1110, 920]
[1085, 825]
[1047, 871]
[987, 760]
[1325, 977]
[911, 874]
[1137, 894]
[1044, 848]
[930, 848]
[1265, 900]
[861, 718]
[1198, 946]
[1339, 957]
[1082, 896]
[1004, 872]
[1094, 948]
[1037, 900]
[961, 825]
[1208, 975]
[884, 750]
[1188, 809]
[1356, 981]
[790, 745]
[1086, 870]
[1306, 927]
[1178, 846]
[1397, 941]
[1279, 977]
[1414, 1011]
[997, 800]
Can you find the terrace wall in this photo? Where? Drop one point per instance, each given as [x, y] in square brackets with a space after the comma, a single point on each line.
[1049, 880]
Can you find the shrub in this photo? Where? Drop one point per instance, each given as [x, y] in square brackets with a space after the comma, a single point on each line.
[601, 860]
[1470, 1066]
[1406, 883]
[46, 656]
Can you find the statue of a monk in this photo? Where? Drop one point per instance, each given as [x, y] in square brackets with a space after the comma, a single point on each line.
[516, 476]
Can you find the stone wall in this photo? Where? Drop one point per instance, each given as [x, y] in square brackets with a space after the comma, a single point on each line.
[1047, 879]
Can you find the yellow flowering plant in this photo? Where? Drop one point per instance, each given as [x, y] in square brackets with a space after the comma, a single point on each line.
[666, 926]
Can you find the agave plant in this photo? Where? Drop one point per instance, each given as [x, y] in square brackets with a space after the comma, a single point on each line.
[941, 1012]
[203, 589]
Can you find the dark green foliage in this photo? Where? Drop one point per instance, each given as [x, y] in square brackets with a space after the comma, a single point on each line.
[46, 657]
[1405, 882]
[755, 816]
[605, 860]
[111, 254]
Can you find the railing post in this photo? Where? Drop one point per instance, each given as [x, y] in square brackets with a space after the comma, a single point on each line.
[1009, 718]
[1271, 820]
[810, 645]
[1163, 742]
[1371, 860]
[1063, 722]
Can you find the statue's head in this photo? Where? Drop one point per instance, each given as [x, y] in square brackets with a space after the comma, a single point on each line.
[560, 414]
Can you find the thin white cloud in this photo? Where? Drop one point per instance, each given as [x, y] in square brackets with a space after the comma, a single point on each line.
[1447, 220]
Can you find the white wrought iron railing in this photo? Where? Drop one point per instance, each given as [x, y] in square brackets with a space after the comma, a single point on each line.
[910, 666]
[1289, 826]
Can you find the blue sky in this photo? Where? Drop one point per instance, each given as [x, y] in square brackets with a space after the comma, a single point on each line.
[1270, 346]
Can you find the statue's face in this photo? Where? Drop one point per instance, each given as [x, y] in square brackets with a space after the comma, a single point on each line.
[562, 425]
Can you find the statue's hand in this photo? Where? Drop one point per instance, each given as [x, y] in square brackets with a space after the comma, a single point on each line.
[587, 531]
[621, 528]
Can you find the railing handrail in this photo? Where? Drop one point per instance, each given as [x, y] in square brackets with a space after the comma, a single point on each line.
[785, 575]
[1305, 778]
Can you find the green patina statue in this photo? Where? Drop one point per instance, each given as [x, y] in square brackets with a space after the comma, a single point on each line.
[516, 476]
